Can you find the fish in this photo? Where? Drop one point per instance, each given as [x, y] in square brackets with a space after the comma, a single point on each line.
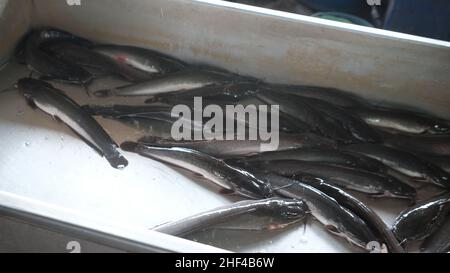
[442, 161]
[401, 120]
[265, 214]
[356, 126]
[403, 162]
[372, 184]
[229, 93]
[155, 121]
[301, 110]
[226, 176]
[334, 217]
[438, 241]
[142, 59]
[49, 66]
[331, 95]
[85, 57]
[54, 102]
[314, 154]
[170, 83]
[370, 217]
[422, 220]
[427, 144]
[234, 148]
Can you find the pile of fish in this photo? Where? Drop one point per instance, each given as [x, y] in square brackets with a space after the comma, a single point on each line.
[331, 143]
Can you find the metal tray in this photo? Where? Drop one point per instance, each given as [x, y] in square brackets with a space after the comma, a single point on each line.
[51, 183]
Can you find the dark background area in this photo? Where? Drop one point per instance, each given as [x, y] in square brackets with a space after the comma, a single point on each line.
[427, 18]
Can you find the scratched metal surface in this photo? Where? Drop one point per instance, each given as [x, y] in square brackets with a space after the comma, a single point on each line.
[42, 159]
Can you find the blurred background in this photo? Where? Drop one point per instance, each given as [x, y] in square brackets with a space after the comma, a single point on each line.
[427, 18]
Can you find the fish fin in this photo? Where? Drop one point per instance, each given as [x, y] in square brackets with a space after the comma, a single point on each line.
[95, 148]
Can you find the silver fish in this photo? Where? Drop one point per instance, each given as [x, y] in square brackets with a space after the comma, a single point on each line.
[426, 144]
[233, 148]
[404, 162]
[314, 154]
[140, 58]
[84, 57]
[403, 121]
[53, 102]
[347, 178]
[335, 218]
[215, 170]
[174, 82]
[370, 217]
[266, 214]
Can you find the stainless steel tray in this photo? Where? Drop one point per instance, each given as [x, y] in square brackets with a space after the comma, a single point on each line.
[43, 165]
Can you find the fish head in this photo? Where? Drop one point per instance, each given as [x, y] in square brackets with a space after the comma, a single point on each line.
[286, 211]
[439, 128]
[28, 85]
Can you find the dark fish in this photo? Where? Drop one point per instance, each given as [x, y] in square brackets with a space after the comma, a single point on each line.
[357, 127]
[403, 121]
[438, 241]
[403, 162]
[233, 148]
[422, 220]
[336, 219]
[173, 82]
[49, 66]
[155, 121]
[215, 170]
[433, 145]
[442, 161]
[143, 59]
[53, 101]
[315, 154]
[87, 58]
[347, 178]
[370, 217]
[301, 110]
[330, 95]
[266, 214]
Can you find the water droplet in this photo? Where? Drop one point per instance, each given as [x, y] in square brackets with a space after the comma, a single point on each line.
[61, 137]
[27, 144]
[19, 113]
